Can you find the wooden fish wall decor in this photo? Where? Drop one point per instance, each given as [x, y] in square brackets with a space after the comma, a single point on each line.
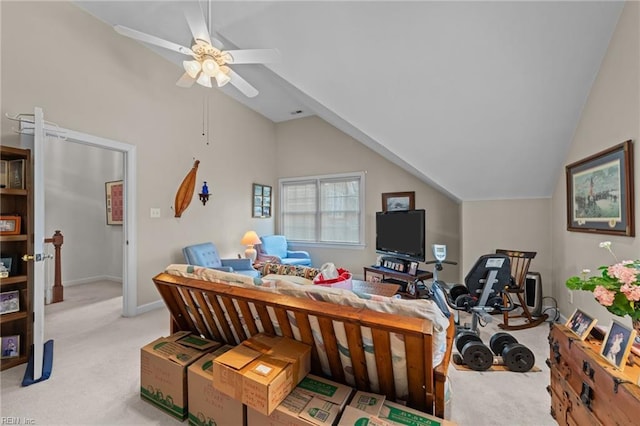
[185, 192]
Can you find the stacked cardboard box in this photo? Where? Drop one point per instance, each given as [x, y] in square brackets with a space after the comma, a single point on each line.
[314, 402]
[207, 405]
[262, 370]
[163, 370]
[374, 410]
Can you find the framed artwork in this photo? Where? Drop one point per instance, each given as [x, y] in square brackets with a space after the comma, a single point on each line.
[394, 201]
[581, 323]
[261, 200]
[114, 202]
[10, 346]
[4, 167]
[617, 344]
[10, 225]
[600, 192]
[9, 302]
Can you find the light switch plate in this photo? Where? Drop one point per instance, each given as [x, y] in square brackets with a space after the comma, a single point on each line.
[155, 212]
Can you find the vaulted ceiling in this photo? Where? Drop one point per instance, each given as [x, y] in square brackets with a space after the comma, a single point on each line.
[480, 99]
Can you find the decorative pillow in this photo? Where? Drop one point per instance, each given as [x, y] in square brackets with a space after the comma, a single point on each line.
[295, 270]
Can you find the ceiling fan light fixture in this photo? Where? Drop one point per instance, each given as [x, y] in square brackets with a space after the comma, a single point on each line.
[222, 77]
[210, 67]
[204, 80]
[192, 68]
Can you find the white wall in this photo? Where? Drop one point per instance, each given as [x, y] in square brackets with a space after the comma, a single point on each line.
[509, 224]
[611, 115]
[75, 177]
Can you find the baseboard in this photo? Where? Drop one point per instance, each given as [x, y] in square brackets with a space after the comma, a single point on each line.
[150, 307]
[69, 283]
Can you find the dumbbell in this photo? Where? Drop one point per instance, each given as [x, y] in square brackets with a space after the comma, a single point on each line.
[515, 356]
[475, 354]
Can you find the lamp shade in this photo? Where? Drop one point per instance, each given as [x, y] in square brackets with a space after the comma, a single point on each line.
[250, 238]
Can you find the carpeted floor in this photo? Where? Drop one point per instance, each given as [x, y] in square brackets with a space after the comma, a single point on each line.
[95, 379]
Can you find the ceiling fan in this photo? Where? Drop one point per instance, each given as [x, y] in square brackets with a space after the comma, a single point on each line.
[209, 59]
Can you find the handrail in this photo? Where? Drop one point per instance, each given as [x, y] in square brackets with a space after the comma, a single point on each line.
[58, 290]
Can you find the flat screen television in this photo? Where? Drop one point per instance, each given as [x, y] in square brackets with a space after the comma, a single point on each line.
[401, 234]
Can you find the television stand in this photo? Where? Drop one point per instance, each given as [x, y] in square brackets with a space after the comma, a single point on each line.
[382, 275]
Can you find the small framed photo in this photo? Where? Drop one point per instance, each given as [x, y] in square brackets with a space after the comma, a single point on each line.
[10, 225]
[581, 323]
[16, 174]
[10, 346]
[9, 302]
[394, 201]
[617, 344]
[114, 199]
[413, 268]
[8, 263]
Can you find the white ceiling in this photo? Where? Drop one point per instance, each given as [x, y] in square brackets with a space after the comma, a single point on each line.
[480, 99]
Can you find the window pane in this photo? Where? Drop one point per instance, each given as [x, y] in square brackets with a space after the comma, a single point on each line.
[325, 209]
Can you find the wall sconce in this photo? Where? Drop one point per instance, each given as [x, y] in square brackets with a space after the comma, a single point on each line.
[204, 194]
[250, 239]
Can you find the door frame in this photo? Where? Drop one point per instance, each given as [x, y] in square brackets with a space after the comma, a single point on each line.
[130, 243]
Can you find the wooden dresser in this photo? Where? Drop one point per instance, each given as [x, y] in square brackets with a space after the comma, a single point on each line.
[586, 389]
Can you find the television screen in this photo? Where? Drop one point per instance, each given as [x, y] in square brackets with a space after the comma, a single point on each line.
[401, 234]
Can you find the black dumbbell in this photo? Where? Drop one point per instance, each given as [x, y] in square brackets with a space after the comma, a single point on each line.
[515, 356]
[475, 354]
[460, 296]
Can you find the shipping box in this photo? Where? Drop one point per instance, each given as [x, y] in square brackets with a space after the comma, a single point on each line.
[262, 370]
[401, 415]
[207, 405]
[315, 401]
[163, 370]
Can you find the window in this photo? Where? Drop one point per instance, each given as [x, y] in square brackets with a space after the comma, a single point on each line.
[323, 209]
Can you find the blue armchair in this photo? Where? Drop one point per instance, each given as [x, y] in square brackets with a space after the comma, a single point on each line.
[277, 248]
[206, 254]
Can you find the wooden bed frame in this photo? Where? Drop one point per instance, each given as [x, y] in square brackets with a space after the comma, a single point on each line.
[184, 297]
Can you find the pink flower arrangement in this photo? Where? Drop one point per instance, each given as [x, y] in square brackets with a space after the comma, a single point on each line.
[618, 288]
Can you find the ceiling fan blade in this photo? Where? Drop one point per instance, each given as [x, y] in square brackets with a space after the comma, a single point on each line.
[242, 85]
[147, 38]
[253, 56]
[195, 18]
[185, 81]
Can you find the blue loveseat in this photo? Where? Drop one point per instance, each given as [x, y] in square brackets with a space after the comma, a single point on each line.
[206, 255]
[276, 247]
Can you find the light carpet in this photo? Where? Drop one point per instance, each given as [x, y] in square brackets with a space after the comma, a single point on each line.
[96, 371]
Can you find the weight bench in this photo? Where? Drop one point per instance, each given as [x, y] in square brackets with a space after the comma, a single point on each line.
[482, 294]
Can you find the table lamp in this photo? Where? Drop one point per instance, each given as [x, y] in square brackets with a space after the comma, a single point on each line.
[250, 239]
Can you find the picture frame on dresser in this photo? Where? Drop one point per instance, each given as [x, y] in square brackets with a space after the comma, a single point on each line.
[10, 225]
[617, 344]
[581, 323]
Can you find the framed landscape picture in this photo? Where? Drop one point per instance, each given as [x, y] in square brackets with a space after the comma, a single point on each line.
[600, 192]
[395, 201]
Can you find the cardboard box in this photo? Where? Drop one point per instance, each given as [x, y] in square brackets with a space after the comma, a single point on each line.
[325, 389]
[321, 412]
[163, 370]
[285, 414]
[368, 402]
[400, 415]
[207, 405]
[262, 370]
[351, 416]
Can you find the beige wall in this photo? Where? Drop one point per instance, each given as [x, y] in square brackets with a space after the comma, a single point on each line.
[611, 115]
[310, 146]
[90, 79]
[509, 224]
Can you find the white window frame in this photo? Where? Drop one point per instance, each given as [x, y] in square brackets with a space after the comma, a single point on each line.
[318, 179]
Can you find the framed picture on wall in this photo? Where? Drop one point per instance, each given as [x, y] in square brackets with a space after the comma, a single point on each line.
[261, 196]
[114, 192]
[600, 192]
